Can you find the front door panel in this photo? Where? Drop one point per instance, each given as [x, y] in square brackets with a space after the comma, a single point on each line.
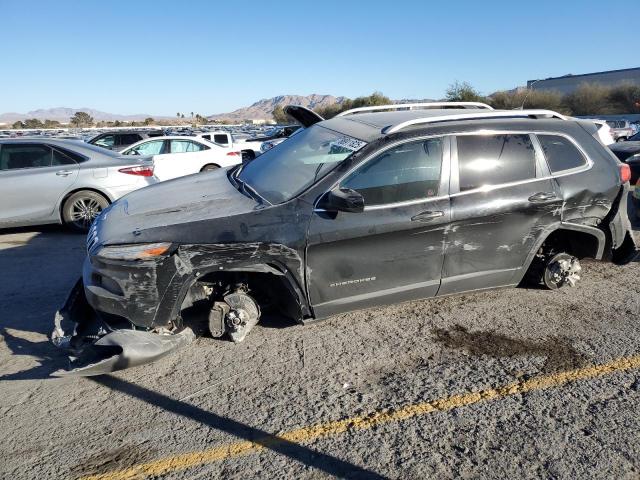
[393, 250]
[375, 257]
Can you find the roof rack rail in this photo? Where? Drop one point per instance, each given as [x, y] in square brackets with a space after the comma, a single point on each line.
[475, 115]
[413, 105]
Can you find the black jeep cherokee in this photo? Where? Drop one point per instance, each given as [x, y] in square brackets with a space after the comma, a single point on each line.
[368, 208]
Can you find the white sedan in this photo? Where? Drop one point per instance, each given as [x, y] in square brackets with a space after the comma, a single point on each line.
[177, 156]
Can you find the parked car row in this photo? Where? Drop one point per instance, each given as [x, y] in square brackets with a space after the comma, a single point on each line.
[75, 180]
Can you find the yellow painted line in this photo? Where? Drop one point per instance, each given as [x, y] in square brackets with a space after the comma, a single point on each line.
[305, 434]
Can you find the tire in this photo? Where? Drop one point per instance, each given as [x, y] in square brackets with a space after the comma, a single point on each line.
[621, 139]
[248, 155]
[561, 270]
[209, 167]
[81, 209]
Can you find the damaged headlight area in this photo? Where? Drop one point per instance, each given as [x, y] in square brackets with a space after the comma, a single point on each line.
[141, 251]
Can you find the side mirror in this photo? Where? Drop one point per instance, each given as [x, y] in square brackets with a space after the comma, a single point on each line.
[342, 200]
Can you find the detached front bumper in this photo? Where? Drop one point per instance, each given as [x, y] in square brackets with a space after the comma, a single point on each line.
[95, 347]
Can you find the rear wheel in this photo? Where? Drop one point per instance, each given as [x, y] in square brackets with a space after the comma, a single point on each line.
[81, 209]
[210, 166]
[561, 270]
[621, 139]
[248, 155]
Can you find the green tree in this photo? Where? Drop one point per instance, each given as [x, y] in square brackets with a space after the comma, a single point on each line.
[33, 123]
[374, 99]
[18, 125]
[589, 99]
[81, 119]
[511, 100]
[51, 123]
[279, 116]
[149, 121]
[201, 119]
[625, 98]
[463, 92]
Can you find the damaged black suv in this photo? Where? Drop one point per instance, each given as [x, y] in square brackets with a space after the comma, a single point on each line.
[375, 206]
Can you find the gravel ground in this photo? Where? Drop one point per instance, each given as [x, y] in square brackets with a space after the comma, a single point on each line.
[284, 377]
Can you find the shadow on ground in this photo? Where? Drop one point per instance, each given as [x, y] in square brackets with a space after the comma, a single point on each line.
[39, 265]
[307, 456]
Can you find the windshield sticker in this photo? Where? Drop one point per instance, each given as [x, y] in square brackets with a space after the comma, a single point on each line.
[349, 143]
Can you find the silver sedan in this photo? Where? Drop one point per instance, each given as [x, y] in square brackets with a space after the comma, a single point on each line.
[63, 181]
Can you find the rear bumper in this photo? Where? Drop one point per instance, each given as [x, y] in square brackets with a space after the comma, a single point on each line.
[118, 191]
[623, 245]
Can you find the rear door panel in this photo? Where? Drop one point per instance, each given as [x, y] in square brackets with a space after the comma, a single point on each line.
[494, 229]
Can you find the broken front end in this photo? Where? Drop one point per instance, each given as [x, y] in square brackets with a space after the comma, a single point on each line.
[127, 310]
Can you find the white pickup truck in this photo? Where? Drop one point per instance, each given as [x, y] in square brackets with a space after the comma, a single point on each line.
[250, 147]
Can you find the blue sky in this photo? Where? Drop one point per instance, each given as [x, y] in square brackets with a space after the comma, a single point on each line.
[161, 57]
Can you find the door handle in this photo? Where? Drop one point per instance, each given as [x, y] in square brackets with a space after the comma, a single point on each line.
[427, 216]
[63, 173]
[542, 197]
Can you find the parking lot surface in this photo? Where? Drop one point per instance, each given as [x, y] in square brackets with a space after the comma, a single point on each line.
[502, 384]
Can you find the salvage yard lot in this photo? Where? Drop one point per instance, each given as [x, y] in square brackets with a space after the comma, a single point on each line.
[496, 384]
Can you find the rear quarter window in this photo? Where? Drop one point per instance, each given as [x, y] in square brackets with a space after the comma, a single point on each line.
[221, 139]
[561, 153]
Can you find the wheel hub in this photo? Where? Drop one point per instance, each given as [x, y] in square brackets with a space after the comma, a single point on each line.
[564, 270]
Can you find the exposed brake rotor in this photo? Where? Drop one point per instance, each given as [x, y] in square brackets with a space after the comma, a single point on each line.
[237, 315]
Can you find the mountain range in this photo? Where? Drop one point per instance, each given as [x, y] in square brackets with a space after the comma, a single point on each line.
[264, 107]
[259, 110]
[63, 114]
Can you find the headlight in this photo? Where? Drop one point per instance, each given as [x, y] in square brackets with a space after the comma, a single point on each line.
[142, 251]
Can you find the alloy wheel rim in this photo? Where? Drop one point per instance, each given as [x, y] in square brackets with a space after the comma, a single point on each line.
[84, 211]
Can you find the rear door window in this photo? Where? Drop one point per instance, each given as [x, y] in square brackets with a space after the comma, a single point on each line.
[106, 141]
[128, 138]
[407, 172]
[60, 158]
[186, 146]
[561, 153]
[76, 157]
[18, 156]
[152, 147]
[494, 159]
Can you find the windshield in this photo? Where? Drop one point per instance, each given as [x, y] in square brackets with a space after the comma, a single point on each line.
[283, 172]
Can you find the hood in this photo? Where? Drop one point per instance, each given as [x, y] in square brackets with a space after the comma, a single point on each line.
[304, 116]
[631, 147]
[624, 150]
[164, 211]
